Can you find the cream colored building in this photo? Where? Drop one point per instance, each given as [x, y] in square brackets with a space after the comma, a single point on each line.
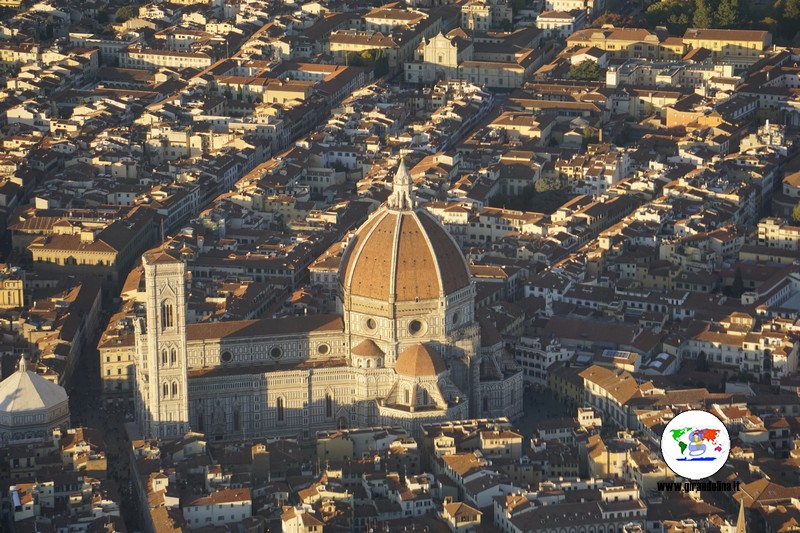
[404, 349]
[591, 7]
[343, 42]
[485, 15]
[501, 444]
[386, 20]
[460, 517]
[117, 350]
[139, 57]
[12, 285]
[14, 54]
[106, 252]
[777, 233]
[738, 45]
[561, 23]
[624, 43]
[452, 56]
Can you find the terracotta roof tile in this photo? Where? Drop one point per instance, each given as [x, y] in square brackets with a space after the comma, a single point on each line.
[255, 328]
[427, 262]
[419, 360]
[368, 348]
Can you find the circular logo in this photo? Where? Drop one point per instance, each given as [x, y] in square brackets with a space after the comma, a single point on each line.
[695, 444]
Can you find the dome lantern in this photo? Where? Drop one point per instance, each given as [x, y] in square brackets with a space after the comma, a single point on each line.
[402, 197]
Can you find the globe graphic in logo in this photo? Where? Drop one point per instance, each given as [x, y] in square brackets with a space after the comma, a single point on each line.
[695, 444]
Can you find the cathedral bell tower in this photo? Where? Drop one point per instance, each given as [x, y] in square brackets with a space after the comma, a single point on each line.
[162, 402]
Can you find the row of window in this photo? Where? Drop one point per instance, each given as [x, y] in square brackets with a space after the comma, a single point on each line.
[165, 390]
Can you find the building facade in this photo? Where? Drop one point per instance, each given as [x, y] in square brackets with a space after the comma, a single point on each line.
[404, 349]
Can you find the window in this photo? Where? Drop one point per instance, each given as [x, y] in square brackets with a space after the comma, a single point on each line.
[328, 406]
[164, 357]
[167, 315]
[173, 358]
[174, 389]
[279, 405]
[165, 389]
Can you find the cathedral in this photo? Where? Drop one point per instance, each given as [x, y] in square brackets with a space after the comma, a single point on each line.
[404, 349]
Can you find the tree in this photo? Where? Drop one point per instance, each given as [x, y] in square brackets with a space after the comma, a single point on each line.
[381, 67]
[549, 201]
[354, 59]
[125, 13]
[792, 9]
[586, 70]
[674, 14]
[506, 25]
[796, 213]
[548, 184]
[702, 362]
[590, 136]
[617, 20]
[737, 288]
[770, 24]
[729, 14]
[703, 14]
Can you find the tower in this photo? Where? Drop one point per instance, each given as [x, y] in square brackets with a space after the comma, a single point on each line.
[161, 371]
[741, 522]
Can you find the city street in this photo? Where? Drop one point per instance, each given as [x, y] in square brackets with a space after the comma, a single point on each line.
[540, 405]
[87, 409]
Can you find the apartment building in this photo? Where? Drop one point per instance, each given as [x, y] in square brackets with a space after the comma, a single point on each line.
[561, 24]
[142, 57]
[777, 233]
[485, 15]
[107, 252]
[624, 43]
[226, 506]
[591, 7]
[742, 46]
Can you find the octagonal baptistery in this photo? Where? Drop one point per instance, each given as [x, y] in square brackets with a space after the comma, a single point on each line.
[30, 406]
[404, 279]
